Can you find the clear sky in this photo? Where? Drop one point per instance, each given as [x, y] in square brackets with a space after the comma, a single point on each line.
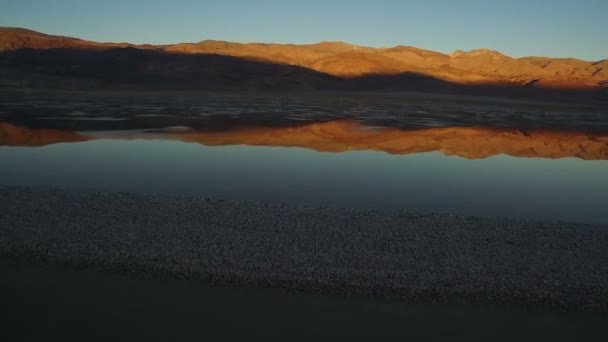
[558, 28]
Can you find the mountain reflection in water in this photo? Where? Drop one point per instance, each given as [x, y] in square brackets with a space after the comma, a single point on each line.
[342, 136]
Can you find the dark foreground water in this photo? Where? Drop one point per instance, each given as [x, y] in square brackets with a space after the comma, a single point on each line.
[61, 305]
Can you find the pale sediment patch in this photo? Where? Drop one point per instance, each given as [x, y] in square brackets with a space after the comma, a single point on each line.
[396, 254]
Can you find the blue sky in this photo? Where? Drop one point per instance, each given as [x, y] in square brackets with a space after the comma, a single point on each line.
[518, 28]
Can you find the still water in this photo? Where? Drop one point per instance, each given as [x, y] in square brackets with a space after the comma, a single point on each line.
[478, 158]
[569, 188]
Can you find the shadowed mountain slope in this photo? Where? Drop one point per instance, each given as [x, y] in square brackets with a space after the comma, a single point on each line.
[25, 55]
[155, 70]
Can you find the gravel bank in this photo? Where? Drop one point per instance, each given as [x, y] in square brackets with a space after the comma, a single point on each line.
[396, 254]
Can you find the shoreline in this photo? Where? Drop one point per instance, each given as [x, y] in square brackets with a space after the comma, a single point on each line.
[324, 96]
[79, 305]
[380, 254]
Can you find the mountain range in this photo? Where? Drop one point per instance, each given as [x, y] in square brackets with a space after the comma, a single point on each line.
[33, 59]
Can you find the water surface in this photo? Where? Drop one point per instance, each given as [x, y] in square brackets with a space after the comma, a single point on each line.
[524, 160]
[560, 189]
[80, 305]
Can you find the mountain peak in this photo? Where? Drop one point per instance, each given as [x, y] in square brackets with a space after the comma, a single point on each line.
[477, 53]
[333, 46]
[8, 29]
[334, 43]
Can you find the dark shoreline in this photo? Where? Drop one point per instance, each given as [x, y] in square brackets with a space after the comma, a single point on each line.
[42, 302]
[398, 255]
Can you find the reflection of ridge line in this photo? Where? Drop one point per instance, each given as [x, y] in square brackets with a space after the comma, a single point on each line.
[343, 136]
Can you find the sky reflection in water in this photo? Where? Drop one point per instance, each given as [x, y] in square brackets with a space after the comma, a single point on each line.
[550, 189]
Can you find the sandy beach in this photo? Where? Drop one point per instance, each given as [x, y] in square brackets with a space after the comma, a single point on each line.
[369, 253]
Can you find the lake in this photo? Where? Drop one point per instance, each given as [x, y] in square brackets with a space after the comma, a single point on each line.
[320, 157]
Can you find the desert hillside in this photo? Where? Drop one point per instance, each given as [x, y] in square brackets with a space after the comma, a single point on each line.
[325, 64]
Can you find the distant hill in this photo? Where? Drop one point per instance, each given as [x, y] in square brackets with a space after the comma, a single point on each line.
[29, 58]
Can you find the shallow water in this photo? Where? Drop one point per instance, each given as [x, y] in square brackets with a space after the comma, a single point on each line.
[564, 189]
[427, 156]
